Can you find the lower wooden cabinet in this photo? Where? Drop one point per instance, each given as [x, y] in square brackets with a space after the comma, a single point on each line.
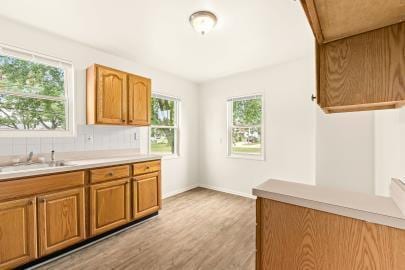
[60, 210]
[146, 194]
[18, 237]
[109, 206]
[60, 220]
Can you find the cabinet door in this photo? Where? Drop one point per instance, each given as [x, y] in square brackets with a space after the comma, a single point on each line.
[139, 95]
[146, 194]
[109, 205]
[363, 72]
[60, 220]
[17, 232]
[111, 96]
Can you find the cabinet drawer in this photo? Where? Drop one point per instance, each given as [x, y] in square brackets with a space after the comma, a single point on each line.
[42, 184]
[104, 174]
[146, 167]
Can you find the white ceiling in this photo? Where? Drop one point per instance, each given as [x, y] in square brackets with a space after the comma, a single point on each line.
[250, 33]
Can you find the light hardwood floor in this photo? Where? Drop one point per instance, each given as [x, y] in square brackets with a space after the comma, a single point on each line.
[198, 229]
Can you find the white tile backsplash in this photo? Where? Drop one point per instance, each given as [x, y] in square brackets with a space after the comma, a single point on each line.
[104, 138]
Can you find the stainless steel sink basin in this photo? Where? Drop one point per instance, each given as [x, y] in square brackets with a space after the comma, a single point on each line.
[33, 166]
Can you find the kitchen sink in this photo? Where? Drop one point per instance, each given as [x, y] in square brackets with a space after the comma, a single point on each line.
[33, 166]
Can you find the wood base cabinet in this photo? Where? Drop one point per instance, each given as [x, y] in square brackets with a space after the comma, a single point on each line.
[44, 214]
[60, 220]
[146, 194]
[294, 237]
[18, 232]
[109, 206]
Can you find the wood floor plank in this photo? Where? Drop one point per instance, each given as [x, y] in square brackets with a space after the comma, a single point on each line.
[199, 229]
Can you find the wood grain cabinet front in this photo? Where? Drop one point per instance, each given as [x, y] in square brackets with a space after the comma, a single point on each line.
[115, 97]
[363, 72]
[360, 53]
[18, 237]
[60, 220]
[109, 173]
[139, 98]
[109, 205]
[146, 192]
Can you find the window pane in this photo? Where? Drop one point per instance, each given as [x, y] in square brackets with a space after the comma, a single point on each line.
[247, 112]
[246, 140]
[23, 76]
[21, 113]
[163, 112]
[162, 140]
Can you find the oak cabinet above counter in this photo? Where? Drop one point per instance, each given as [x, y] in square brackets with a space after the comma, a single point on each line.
[360, 53]
[362, 72]
[333, 20]
[115, 97]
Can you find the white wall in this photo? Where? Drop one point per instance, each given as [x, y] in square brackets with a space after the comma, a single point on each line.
[289, 127]
[357, 151]
[345, 151]
[177, 173]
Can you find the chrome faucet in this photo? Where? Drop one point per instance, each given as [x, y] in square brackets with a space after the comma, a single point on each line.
[52, 162]
[29, 158]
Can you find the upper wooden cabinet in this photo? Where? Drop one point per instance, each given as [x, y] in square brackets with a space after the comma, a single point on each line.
[18, 234]
[139, 95]
[363, 72]
[336, 19]
[360, 54]
[117, 98]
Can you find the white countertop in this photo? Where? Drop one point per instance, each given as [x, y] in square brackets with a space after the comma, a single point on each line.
[82, 164]
[370, 208]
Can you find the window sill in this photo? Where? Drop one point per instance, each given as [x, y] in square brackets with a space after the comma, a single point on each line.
[248, 157]
[36, 134]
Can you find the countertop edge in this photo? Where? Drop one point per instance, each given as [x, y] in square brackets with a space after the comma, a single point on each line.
[70, 168]
[334, 209]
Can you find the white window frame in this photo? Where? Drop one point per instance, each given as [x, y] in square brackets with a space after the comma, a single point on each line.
[176, 127]
[68, 98]
[229, 104]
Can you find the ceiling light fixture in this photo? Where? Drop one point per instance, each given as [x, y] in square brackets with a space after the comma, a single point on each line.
[203, 21]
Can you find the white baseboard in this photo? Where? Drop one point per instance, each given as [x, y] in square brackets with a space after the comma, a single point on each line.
[178, 191]
[230, 191]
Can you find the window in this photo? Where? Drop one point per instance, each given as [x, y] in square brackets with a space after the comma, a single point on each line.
[164, 129]
[35, 94]
[245, 127]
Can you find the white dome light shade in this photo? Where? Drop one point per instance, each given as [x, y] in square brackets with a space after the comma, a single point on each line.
[203, 21]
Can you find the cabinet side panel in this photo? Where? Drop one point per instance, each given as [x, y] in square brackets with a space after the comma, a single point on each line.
[294, 237]
[91, 95]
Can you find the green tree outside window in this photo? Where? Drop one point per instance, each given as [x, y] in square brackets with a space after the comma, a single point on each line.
[32, 95]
